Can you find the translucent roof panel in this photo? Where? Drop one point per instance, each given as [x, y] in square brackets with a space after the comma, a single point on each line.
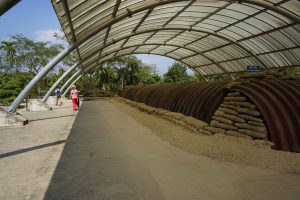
[211, 36]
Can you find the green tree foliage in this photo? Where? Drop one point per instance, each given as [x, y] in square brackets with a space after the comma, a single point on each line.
[9, 62]
[148, 75]
[22, 58]
[194, 78]
[119, 73]
[71, 58]
[11, 86]
[34, 55]
[288, 71]
[176, 73]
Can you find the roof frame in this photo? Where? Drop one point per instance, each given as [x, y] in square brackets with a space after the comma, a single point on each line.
[178, 13]
[143, 19]
[66, 9]
[159, 3]
[195, 30]
[153, 4]
[116, 8]
[125, 54]
[202, 38]
[203, 19]
[173, 45]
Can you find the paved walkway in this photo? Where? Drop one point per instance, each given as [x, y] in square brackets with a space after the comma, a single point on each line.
[29, 154]
[108, 155]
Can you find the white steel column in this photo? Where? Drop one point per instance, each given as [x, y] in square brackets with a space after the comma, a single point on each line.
[58, 81]
[70, 79]
[64, 94]
[25, 92]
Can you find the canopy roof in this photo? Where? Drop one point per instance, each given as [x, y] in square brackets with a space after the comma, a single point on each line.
[209, 36]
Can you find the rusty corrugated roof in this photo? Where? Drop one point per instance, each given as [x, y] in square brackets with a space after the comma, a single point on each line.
[197, 99]
[279, 102]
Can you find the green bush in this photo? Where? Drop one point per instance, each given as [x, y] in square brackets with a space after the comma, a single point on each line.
[11, 85]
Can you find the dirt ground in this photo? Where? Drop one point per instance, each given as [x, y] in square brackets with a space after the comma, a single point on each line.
[221, 147]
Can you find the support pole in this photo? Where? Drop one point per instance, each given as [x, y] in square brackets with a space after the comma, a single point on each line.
[70, 79]
[64, 94]
[25, 92]
[58, 81]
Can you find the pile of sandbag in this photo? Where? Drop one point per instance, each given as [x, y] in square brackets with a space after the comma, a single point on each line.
[265, 75]
[237, 116]
[189, 122]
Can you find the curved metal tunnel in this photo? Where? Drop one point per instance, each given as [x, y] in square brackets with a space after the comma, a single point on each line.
[110, 42]
[277, 100]
[211, 37]
[279, 103]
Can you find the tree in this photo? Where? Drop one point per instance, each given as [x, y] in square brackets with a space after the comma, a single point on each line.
[147, 74]
[8, 57]
[34, 55]
[71, 58]
[118, 73]
[288, 71]
[11, 86]
[176, 73]
[108, 77]
[22, 58]
[194, 78]
[153, 79]
[133, 71]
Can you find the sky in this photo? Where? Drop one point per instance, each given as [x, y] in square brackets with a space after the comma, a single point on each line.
[36, 20]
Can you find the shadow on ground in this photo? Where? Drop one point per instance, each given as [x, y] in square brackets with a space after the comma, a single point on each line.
[8, 154]
[50, 118]
[95, 165]
[60, 107]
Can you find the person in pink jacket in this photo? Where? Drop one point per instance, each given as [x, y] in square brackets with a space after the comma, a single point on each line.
[74, 98]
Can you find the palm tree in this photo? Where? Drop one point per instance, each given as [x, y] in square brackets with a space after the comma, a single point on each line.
[9, 50]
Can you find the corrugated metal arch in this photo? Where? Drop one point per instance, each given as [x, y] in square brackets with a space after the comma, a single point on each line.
[279, 103]
[111, 56]
[159, 44]
[190, 30]
[115, 11]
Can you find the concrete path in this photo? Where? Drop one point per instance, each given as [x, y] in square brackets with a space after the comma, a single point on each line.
[29, 154]
[108, 155]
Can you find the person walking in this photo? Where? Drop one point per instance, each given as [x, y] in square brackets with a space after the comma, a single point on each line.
[58, 97]
[74, 98]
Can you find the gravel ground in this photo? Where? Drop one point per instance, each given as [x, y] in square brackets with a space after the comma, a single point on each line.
[221, 147]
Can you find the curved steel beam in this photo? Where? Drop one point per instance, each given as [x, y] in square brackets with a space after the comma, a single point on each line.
[70, 79]
[60, 56]
[178, 46]
[58, 81]
[253, 2]
[160, 3]
[66, 73]
[193, 69]
[96, 64]
[155, 4]
[173, 45]
[271, 7]
[73, 83]
[25, 92]
[183, 29]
